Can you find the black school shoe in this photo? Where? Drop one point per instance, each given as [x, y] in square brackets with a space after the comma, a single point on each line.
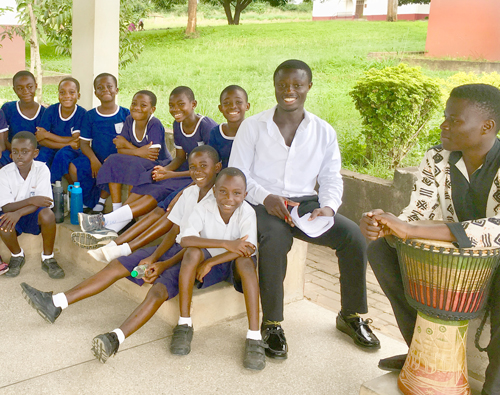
[359, 330]
[15, 265]
[41, 302]
[274, 336]
[52, 268]
[181, 340]
[393, 364]
[105, 346]
[255, 356]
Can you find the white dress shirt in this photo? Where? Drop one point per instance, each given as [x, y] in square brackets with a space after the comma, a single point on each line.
[271, 167]
[14, 188]
[206, 222]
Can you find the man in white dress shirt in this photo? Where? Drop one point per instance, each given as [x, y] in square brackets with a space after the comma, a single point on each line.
[283, 152]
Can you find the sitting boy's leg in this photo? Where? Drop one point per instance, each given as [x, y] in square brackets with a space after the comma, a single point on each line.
[49, 306]
[47, 222]
[245, 273]
[115, 190]
[183, 332]
[17, 259]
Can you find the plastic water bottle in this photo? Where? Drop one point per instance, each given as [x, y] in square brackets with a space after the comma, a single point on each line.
[139, 271]
[76, 202]
[58, 202]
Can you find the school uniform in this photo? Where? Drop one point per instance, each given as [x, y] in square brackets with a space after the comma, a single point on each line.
[163, 191]
[100, 130]
[133, 170]
[179, 216]
[206, 222]
[14, 188]
[18, 122]
[53, 122]
[221, 143]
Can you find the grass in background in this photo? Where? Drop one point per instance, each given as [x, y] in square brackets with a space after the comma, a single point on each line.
[247, 55]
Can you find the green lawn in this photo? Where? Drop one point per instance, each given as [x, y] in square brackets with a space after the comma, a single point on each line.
[248, 54]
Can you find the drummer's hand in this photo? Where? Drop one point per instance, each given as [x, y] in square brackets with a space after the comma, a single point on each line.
[392, 225]
[369, 225]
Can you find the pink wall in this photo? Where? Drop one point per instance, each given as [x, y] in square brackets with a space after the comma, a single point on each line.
[12, 54]
[402, 17]
[464, 29]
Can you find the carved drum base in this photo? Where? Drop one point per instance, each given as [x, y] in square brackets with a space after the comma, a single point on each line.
[436, 362]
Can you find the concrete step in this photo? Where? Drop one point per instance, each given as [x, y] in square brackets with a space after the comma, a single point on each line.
[388, 385]
[210, 306]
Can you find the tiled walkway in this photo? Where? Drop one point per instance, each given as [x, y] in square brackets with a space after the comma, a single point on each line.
[323, 287]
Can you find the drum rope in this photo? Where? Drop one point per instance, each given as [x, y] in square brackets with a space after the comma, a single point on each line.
[480, 329]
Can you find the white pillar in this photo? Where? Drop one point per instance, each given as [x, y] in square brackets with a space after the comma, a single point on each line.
[95, 44]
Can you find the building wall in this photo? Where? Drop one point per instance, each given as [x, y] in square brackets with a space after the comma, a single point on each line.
[12, 53]
[374, 10]
[460, 31]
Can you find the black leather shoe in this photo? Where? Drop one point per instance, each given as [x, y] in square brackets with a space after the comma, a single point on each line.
[359, 330]
[393, 364]
[274, 336]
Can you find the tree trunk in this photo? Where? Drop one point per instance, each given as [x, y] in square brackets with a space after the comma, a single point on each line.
[35, 51]
[237, 12]
[227, 9]
[191, 24]
[392, 10]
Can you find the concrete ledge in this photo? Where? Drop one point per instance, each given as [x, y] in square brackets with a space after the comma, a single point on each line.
[210, 306]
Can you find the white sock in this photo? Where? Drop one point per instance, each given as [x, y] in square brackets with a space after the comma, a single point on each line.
[125, 249]
[120, 335]
[111, 244]
[122, 214]
[60, 300]
[254, 335]
[116, 206]
[44, 257]
[185, 321]
[16, 255]
[100, 206]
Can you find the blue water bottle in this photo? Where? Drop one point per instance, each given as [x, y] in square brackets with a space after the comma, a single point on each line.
[76, 202]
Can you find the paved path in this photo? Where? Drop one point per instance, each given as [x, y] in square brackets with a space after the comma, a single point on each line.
[323, 287]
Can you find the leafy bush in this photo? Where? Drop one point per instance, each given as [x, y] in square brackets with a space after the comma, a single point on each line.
[395, 104]
[468, 78]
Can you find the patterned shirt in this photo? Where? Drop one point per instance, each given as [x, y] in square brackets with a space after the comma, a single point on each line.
[432, 198]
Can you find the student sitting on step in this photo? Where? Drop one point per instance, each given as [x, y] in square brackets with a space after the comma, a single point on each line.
[25, 201]
[163, 264]
[221, 238]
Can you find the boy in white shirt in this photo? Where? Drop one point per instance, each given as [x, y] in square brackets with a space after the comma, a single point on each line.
[221, 238]
[25, 202]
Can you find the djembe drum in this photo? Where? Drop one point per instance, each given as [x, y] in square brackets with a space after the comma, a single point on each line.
[448, 286]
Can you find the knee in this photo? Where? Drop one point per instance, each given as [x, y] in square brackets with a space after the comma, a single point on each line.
[245, 266]
[158, 292]
[46, 217]
[192, 257]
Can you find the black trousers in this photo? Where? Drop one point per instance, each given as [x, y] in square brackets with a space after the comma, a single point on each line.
[384, 262]
[275, 240]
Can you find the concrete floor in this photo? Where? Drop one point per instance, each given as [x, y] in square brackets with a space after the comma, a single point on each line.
[39, 358]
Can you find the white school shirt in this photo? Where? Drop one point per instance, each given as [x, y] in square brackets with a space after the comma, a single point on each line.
[14, 188]
[271, 167]
[184, 206]
[206, 222]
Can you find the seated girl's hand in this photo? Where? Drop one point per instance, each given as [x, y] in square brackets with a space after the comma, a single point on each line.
[41, 133]
[75, 144]
[160, 173]
[120, 142]
[95, 166]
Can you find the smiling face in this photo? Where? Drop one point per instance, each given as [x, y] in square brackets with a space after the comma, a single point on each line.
[106, 89]
[141, 108]
[203, 170]
[25, 88]
[23, 153]
[181, 107]
[68, 94]
[234, 105]
[291, 87]
[229, 192]
[466, 127]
